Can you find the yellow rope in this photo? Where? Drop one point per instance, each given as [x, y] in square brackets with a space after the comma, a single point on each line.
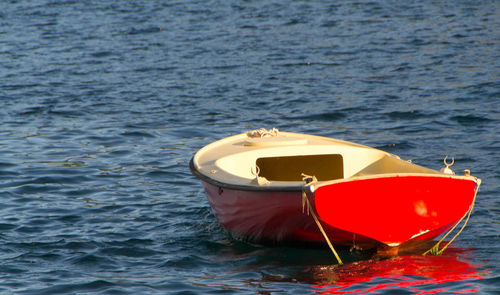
[435, 249]
[262, 132]
[309, 181]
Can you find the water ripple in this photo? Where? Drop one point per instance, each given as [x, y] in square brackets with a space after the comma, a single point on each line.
[104, 103]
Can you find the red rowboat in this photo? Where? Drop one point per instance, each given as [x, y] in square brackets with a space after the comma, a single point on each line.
[261, 185]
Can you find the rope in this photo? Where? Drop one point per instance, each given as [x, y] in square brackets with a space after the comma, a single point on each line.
[259, 133]
[435, 249]
[305, 200]
[258, 179]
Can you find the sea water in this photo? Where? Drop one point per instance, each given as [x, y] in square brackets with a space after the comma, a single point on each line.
[103, 104]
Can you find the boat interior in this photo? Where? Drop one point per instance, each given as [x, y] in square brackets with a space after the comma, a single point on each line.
[324, 162]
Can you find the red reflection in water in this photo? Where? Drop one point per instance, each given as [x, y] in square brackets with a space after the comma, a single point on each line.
[413, 273]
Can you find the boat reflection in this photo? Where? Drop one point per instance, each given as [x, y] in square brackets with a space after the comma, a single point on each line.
[417, 274]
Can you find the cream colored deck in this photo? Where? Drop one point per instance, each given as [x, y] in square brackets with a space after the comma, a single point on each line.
[233, 160]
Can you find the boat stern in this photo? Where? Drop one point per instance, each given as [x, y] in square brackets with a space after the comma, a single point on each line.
[395, 209]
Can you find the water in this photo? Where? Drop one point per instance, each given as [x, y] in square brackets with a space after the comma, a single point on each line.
[103, 103]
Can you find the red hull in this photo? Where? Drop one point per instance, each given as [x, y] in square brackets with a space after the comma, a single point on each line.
[366, 213]
[268, 217]
[396, 209]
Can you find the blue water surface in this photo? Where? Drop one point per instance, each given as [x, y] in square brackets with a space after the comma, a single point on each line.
[103, 104]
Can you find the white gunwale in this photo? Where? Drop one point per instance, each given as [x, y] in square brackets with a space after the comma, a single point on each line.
[231, 162]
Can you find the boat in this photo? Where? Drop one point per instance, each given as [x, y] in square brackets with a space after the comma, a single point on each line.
[282, 188]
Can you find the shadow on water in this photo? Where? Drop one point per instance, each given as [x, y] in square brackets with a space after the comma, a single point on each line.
[414, 273]
[316, 270]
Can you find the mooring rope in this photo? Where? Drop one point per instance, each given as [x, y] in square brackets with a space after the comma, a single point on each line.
[435, 249]
[259, 133]
[310, 180]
